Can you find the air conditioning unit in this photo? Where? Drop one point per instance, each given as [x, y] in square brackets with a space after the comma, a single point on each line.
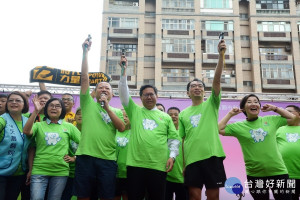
[288, 48]
[135, 4]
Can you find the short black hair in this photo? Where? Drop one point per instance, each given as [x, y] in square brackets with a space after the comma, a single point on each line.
[173, 108]
[26, 104]
[3, 95]
[69, 95]
[244, 100]
[147, 86]
[159, 104]
[195, 79]
[63, 108]
[44, 92]
[296, 108]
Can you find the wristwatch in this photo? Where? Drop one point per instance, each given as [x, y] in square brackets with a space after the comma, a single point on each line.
[173, 159]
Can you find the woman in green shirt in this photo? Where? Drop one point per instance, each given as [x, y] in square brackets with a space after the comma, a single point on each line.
[52, 138]
[257, 137]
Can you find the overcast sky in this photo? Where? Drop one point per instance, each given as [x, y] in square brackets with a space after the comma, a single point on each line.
[38, 32]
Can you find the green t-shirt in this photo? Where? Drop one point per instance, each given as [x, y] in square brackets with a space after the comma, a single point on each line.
[150, 131]
[258, 142]
[19, 124]
[98, 131]
[198, 125]
[73, 146]
[52, 144]
[176, 175]
[288, 141]
[122, 140]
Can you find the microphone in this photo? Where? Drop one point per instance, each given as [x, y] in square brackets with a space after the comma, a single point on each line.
[102, 102]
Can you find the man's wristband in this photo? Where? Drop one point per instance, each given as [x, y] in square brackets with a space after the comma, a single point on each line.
[173, 159]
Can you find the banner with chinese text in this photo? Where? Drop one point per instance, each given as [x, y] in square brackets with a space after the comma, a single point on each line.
[47, 74]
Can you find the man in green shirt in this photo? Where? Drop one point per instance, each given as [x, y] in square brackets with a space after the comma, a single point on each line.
[288, 142]
[198, 126]
[152, 132]
[175, 177]
[96, 153]
[122, 140]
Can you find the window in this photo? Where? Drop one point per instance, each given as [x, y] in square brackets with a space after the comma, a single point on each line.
[127, 47]
[177, 72]
[243, 16]
[271, 51]
[216, 4]
[279, 71]
[248, 83]
[178, 45]
[178, 3]
[122, 22]
[272, 4]
[149, 35]
[246, 60]
[212, 46]
[245, 37]
[178, 24]
[274, 26]
[115, 69]
[218, 25]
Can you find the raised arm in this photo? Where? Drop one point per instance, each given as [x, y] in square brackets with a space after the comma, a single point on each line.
[291, 118]
[123, 87]
[216, 85]
[84, 82]
[42, 86]
[223, 122]
[37, 108]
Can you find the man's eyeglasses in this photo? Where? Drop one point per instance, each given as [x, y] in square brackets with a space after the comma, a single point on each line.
[148, 95]
[67, 99]
[197, 85]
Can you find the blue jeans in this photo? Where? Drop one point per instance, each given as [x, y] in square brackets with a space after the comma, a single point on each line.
[39, 184]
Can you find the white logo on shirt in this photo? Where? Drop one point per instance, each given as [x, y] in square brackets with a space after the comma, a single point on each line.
[195, 120]
[258, 135]
[52, 138]
[292, 137]
[105, 117]
[122, 141]
[149, 124]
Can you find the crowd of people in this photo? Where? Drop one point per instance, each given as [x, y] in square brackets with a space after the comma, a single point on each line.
[141, 152]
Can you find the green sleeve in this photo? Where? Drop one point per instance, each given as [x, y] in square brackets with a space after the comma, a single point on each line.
[35, 128]
[230, 130]
[86, 98]
[75, 134]
[2, 126]
[181, 127]
[130, 108]
[215, 99]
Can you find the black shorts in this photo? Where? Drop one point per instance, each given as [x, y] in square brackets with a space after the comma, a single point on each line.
[181, 192]
[141, 180]
[209, 172]
[121, 186]
[91, 171]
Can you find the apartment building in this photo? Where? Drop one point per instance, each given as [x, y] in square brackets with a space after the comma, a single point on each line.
[170, 42]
